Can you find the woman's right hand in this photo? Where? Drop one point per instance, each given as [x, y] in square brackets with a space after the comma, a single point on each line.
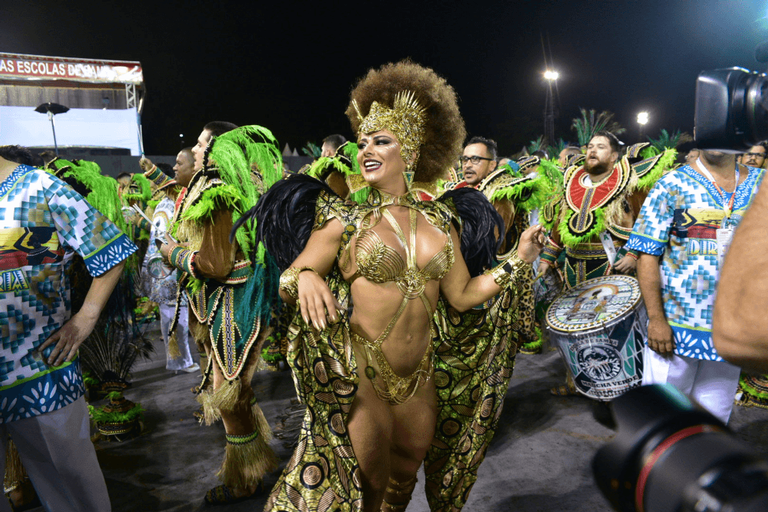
[317, 303]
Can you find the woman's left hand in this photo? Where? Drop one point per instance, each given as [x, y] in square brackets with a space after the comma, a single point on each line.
[531, 243]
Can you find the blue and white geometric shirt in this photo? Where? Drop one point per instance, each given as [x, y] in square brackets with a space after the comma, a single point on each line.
[43, 222]
[679, 220]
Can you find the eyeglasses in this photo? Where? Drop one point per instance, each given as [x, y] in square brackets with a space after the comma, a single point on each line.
[756, 155]
[474, 159]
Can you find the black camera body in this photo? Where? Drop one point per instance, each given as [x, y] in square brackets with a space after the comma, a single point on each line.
[731, 109]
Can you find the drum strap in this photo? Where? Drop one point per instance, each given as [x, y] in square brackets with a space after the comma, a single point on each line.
[605, 238]
[610, 249]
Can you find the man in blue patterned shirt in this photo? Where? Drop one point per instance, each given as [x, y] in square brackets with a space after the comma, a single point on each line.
[688, 220]
[43, 222]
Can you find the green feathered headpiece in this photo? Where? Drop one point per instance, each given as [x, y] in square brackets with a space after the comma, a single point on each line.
[359, 194]
[556, 148]
[325, 165]
[248, 161]
[344, 161]
[140, 189]
[536, 145]
[591, 122]
[668, 140]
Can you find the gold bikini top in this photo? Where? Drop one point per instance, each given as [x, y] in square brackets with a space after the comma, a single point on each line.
[380, 263]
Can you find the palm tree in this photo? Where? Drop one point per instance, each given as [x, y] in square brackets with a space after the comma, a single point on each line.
[667, 141]
[591, 122]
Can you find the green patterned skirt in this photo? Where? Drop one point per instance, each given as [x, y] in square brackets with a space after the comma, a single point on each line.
[474, 359]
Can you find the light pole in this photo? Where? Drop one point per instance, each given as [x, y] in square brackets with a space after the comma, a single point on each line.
[549, 107]
[642, 120]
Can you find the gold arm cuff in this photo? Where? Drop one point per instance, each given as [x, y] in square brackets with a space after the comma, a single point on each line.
[289, 280]
[504, 273]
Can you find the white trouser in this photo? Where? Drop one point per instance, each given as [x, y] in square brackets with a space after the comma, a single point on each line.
[59, 457]
[711, 383]
[182, 336]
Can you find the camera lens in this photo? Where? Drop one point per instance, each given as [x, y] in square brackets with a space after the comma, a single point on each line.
[670, 455]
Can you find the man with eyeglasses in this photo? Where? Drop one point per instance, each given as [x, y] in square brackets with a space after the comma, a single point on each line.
[755, 157]
[478, 160]
[482, 172]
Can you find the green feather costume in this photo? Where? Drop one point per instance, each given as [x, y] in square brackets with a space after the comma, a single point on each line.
[234, 315]
[585, 211]
[240, 166]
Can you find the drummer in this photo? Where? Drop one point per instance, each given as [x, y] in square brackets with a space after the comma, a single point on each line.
[600, 188]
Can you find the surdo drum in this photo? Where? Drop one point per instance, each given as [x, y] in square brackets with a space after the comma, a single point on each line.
[600, 327]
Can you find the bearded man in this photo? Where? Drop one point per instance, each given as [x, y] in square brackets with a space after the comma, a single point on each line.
[597, 213]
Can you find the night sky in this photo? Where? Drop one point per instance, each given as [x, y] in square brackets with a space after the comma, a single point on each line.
[290, 67]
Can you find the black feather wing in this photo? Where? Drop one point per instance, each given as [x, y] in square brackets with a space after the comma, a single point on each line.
[481, 224]
[284, 217]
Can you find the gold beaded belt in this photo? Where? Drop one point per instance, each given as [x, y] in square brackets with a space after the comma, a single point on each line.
[395, 390]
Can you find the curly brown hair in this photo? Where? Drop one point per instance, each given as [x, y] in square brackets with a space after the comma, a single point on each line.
[444, 131]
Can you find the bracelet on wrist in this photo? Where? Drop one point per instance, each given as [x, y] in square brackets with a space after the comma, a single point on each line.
[289, 280]
[505, 272]
[183, 259]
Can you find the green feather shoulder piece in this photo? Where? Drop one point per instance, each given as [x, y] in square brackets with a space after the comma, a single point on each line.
[225, 197]
[140, 190]
[526, 193]
[651, 169]
[248, 161]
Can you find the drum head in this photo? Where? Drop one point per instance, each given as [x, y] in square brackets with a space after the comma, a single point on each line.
[593, 304]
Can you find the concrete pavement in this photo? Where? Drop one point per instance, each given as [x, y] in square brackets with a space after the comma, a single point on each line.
[539, 461]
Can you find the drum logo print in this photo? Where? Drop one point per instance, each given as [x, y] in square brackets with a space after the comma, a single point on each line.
[599, 363]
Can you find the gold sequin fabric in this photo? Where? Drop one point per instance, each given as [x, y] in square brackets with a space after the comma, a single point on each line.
[473, 365]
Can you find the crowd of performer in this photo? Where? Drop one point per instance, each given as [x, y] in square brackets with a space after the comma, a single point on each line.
[397, 277]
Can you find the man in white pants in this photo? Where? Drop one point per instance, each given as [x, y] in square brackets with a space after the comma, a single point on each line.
[42, 223]
[160, 280]
[682, 234]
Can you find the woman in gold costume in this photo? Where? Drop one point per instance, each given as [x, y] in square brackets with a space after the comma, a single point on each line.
[404, 373]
